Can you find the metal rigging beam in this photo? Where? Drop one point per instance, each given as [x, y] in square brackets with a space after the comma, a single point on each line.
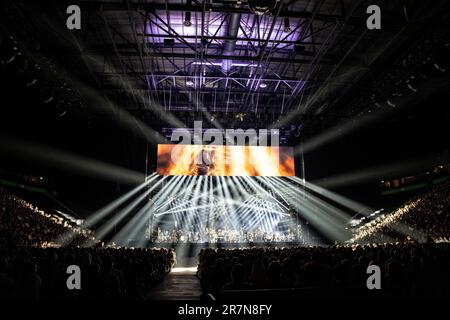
[117, 6]
[106, 50]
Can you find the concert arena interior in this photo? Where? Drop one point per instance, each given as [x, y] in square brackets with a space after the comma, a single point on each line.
[224, 151]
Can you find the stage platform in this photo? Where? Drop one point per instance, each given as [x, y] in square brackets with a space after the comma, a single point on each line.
[187, 253]
[223, 245]
[187, 250]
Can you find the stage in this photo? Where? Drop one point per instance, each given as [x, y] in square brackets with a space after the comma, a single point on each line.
[187, 253]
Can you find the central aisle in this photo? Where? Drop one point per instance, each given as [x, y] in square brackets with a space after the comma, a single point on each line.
[180, 284]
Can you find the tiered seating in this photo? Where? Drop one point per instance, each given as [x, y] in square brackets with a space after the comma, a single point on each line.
[22, 224]
[34, 266]
[424, 218]
[106, 273]
[407, 270]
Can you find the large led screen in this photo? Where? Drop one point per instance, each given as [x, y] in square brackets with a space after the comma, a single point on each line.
[214, 160]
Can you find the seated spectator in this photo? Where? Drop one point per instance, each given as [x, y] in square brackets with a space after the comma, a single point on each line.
[238, 279]
[22, 224]
[258, 277]
[274, 275]
[425, 218]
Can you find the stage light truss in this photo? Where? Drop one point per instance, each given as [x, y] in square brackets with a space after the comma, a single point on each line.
[262, 211]
[225, 59]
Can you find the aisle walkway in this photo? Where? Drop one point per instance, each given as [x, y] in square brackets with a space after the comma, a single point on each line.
[180, 284]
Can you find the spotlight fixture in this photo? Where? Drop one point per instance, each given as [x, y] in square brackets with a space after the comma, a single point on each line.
[393, 105]
[411, 84]
[189, 83]
[261, 7]
[187, 19]
[439, 68]
[47, 94]
[240, 116]
[287, 27]
[60, 108]
[263, 85]
[32, 82]
[48, 100]
[441, 61]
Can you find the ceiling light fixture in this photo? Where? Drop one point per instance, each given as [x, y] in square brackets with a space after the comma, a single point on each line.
[287, 26]
[187, 19]
[261, 7]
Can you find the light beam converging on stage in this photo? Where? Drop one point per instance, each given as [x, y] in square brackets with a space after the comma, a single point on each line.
[245, 197]
[182, 205]
[224, 151]
[223, 209]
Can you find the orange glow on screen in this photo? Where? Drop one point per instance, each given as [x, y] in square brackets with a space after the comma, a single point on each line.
[211, 160]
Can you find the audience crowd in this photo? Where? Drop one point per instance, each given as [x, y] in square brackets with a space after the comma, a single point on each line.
[23, 224]
[33, 262]
[411, 246]
[105, 273]
[424, 218]
[407, 269]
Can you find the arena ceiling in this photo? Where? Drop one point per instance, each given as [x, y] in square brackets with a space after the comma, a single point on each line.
[304, 61]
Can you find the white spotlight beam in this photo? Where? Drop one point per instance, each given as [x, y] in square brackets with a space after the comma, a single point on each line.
[229, 216]
[349, 203]
[171, 188]
[323, 218]
[124, 212]
[270, 185]
[130, 229]
[68, 161]
[178, 182]
[374, 173]
[106, 210]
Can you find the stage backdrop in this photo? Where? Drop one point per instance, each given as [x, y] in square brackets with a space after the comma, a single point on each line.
[213, 160]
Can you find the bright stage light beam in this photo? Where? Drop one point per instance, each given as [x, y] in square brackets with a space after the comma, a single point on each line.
[325, 218]
[106, 210]
[68, 162]
[349, 203]
[130, 230]
[103, 230]
[375, 173]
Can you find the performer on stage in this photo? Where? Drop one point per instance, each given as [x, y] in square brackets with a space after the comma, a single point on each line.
[204, 162]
